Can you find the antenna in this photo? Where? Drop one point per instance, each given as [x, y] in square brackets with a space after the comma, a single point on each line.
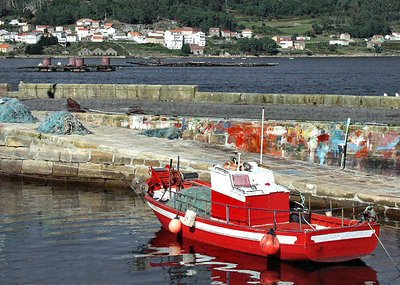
[262, 136]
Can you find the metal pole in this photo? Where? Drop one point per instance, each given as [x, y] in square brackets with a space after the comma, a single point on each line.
[343, 162]
[262, 136]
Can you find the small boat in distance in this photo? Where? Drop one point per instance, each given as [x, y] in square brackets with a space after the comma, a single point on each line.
[243, 209]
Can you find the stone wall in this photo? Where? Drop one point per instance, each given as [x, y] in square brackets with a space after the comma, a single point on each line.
[4, 89]
[191, 93]
[370, 148]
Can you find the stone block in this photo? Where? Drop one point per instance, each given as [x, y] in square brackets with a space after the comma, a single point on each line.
[331, 100]
[370, 101]
[252, 98]
[18, 141]
[107, 91]
[219, 97]
[313, 99]
[93, 91]
[48, 154]
[24, 153]
[154, 163]
[103, 157]
[4, 88]
[117, 172]
[277, 98]
[37, 167]
[138, 161]
[74, 155]
[177, 92]
[11, 166]
[389, 102]
[27, 91]
[116, 184]
[6, 152]
[148, 92]
[124, 91]
[122, 160]
[65, 169]
[350, 101]
[89, 170]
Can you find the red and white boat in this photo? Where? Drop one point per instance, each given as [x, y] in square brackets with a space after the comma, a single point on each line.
[243, 209]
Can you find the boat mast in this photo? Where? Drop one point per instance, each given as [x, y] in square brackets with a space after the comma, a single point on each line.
[262, 135]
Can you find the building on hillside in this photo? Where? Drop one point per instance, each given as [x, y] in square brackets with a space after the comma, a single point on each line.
[136, 37]
[339, 42]
[299, 45]
[111, 51]
[6, 48]
[84, 51]
[26, 28]
[85, 22]
[226, 34]
[395, 36]
[59, 28]
[373, 44]
[378, 38]
[303, 38]
[196, 37]
[72, 38]
[2, 23]
[97, 38]
[247, 33]
[345, 37]
[98, 51]
[173, 39]
[82, 33]
[119, 36]
[155, 39]
[196, 49]
[29, 38]
[44, 28]
[214, 32]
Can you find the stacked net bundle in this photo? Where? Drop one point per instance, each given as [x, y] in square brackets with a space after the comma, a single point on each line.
[13, 111]
[169, 133]
[196, 198]
[62, 123]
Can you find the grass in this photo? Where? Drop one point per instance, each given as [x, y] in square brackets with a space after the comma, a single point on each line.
[282, 26]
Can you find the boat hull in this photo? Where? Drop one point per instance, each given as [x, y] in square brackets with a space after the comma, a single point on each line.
[327, 245]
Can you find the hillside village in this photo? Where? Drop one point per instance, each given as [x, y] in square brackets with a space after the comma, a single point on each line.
[98, 31]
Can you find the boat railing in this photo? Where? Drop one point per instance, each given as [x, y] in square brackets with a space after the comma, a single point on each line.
[331, 217]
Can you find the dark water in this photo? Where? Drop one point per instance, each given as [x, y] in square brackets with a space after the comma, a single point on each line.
[348, 76]
[67, 235]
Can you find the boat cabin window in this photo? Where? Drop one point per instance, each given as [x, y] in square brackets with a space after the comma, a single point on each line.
[241, 180]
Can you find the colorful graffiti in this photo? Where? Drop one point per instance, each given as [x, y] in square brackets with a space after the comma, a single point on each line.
[372, 148]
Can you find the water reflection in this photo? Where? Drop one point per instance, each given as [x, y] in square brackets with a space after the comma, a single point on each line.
[193, 262]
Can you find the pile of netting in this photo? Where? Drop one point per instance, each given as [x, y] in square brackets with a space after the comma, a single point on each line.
[62, 123]
[13, 111]
[169, 133]
[196, 198]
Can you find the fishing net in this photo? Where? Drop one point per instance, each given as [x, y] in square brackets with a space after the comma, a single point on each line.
[169, 133]
[62, 123]
[13, 111]
[195, 198]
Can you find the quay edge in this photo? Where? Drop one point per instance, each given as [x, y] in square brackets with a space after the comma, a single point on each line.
[113, 154]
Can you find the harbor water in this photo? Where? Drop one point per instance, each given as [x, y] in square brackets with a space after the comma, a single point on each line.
[63, 234]
[346, 75]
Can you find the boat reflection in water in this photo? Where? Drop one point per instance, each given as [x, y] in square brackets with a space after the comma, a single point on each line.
[188, 261]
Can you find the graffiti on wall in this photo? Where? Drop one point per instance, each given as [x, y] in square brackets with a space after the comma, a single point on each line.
[369, 147]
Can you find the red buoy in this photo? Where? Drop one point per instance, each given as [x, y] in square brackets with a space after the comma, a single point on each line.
[175, 225]
[269, 244]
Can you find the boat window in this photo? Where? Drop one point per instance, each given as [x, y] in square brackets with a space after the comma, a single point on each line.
[241, 180]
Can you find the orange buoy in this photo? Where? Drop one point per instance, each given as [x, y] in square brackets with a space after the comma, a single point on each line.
[175, 225]
[269, 244]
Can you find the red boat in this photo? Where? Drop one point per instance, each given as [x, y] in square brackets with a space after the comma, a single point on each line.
[233, 267]
[243, 209]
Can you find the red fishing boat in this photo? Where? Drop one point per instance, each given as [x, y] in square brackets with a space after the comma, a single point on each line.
[243, 209]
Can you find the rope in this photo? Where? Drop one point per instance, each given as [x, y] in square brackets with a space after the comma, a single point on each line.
[384, 248]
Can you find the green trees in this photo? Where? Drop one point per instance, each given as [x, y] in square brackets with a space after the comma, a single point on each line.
[43, 42]
[257, 46]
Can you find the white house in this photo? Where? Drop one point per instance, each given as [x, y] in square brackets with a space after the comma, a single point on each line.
[136, 37]
[214, 32]
[2, 23]
[345, 37]
[197, 37]
[71, 38]
[119, 36]
[82, 32]
[6, 48]
[85, 22]
[339, 42]
[285, 44]
[395, 36]
[247, 33]
[97, 38]
[173, 39]
[29, 38]
[59, 28]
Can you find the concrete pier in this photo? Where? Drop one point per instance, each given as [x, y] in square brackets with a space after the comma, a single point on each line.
[112, 153]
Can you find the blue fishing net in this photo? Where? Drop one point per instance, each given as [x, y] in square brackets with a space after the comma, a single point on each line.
[169, 133]
[62, 123]
[13, 111]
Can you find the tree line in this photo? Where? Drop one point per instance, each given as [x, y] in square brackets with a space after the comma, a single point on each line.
[358, 17]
